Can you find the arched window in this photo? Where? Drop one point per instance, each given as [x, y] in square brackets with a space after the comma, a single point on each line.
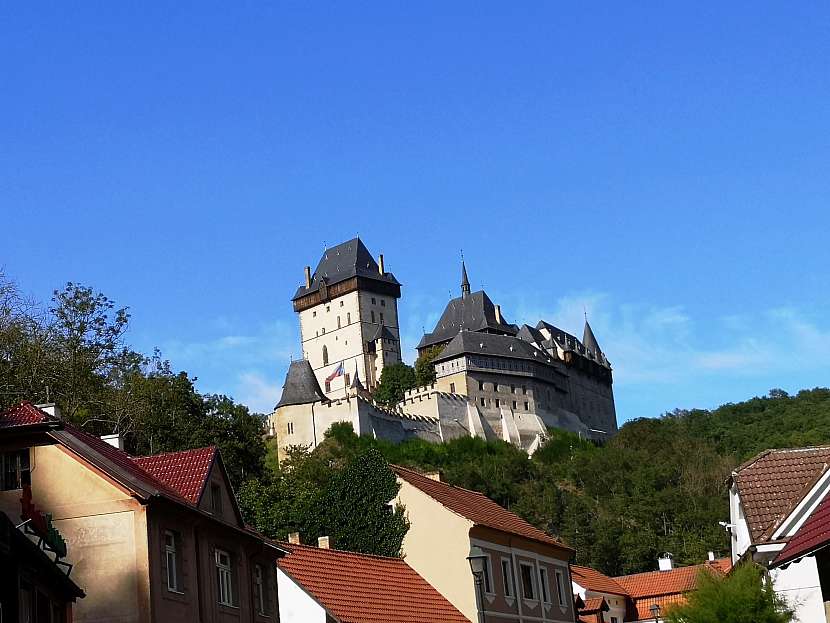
[325, 356]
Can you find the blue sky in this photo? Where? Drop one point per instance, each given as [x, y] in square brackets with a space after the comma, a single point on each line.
[665, 167]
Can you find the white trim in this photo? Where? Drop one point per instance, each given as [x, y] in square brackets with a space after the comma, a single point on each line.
[804, 508]
[770, 547]
[521, 552]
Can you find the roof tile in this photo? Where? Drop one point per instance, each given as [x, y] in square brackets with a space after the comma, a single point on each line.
[812, 535]
[593, 580]
[186, 472]
[358, 588]
[475, 506]
[771, 485]
[23, 414]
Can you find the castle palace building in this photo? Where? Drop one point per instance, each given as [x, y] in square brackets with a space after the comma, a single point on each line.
[494, 379]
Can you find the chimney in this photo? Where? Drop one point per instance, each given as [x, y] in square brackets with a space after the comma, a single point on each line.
[115, 440]
[433, 475]
[498, 314]
[711, 556]
[51, 408]
[323, 542]
[294, 538]
[665, 562]
[380, 264]
[308, 276]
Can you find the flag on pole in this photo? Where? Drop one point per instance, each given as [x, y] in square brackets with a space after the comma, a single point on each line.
[338, 371]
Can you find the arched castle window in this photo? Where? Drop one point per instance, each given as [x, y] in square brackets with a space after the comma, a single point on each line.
[325, 356]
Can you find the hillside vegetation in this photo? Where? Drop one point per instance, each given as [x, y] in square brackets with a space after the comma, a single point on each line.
[658, 486]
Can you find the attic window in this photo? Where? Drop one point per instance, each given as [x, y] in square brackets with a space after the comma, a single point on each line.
[215, 498]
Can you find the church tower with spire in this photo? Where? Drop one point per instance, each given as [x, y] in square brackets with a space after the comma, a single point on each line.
[348, 311]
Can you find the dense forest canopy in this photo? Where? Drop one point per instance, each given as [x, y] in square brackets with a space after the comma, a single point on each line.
[658, 485]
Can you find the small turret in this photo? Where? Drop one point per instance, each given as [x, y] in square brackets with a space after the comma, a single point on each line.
[589, 341]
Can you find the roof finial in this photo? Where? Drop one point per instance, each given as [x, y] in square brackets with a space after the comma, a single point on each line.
[585, 312]
[465, 282]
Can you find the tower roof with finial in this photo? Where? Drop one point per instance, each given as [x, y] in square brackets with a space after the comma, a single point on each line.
[345, 261]
[588, 339]
[465, 282]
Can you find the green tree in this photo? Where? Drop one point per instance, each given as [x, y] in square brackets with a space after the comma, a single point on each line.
[424, 368]
[743, 596]
[394, 381]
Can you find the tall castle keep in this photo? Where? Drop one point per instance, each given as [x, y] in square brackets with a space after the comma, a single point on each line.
[494, 379]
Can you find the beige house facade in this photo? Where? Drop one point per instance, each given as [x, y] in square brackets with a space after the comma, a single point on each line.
[151, 539]
[527, 575]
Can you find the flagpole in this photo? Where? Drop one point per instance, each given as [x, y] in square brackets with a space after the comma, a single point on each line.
[345, 388]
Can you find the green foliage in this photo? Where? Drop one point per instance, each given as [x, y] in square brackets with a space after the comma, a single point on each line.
[424, 368]
[743, 596]
[316, 496]
[394, 381]
[74, 354]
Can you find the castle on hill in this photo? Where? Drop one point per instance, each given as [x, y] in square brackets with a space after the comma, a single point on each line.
[494, 379]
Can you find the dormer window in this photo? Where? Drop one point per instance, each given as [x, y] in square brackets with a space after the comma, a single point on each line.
[15, 470]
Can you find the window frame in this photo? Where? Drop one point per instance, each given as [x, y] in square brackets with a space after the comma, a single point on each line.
[531, 576]
[560, 588]
[21, 475]
[171, 555]
[508, 578]
[261, 601]
[544, 585]
[224, 578]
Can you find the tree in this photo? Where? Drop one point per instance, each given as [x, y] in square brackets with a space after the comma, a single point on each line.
[745, 595]
[394, 381]
[424, 368]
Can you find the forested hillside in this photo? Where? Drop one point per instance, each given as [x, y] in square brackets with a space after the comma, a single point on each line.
[659, 485]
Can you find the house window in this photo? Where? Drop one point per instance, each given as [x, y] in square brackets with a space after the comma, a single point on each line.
[452, 388]
[328, 386]
[527, 406]
[481, 386]
[216, 499]
[171, 559]
[374, 302]
[507, 577]
[348, 382]
[341, 303]
[528, 585]
[323, 330]
[314, 314]
[482, 401]
[328, 308]
[524, 389]
[259, 590]
[512, 389]
[514, 404]
[382, 302]
[348, 317]
[291, 428]
[325, 356]
[615, 620]
[338, 322]
[498, 403]
[15, 470]
[373, 315]
[544, 586]
[381, 317]
[487, 576]
[224, 578]
[560, 587]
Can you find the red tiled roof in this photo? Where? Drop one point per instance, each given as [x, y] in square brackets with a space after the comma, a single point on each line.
[666, 602]
[475, 506]
[677, 581]
[186, 471]
[811, 536]
[593, 580]
[23, 414]
[774, 482]
[358, 588]
[593, 605]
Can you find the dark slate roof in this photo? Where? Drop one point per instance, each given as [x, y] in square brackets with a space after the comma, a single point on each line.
[346, 260]
[492, 344]
[465, 282]
[383, 332]
[588, 339]
[561, 336]
[301, 386]
[530, 334]
[474, 312]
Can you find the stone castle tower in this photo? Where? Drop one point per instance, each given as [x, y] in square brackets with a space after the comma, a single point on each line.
[348, 310]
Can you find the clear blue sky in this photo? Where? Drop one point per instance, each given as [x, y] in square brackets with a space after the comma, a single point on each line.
[666, 167]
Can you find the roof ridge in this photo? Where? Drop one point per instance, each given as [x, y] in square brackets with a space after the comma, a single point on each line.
[212, 446]
[441, 482]
[291, 546]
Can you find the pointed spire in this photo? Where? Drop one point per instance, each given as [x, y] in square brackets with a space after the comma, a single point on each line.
[465, 282]
[356, 384]
[588, 339]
